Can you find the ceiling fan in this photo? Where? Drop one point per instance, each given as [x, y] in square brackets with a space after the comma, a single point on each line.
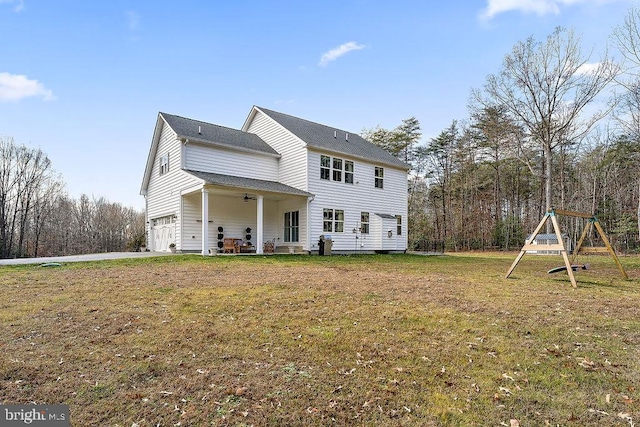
[247, 198]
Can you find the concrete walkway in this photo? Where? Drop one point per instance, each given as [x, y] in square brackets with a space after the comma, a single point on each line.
[80, 258]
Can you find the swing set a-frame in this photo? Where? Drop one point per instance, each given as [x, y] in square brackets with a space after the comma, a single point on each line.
[560, 246]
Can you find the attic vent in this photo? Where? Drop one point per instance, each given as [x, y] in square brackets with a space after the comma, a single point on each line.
[199, 130]
[346, 137]
[335, 133]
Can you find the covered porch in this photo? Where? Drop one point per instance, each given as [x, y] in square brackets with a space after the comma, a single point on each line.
[255, 215]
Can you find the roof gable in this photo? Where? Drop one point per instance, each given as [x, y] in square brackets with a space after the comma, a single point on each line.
[208, 133]
[328, 138]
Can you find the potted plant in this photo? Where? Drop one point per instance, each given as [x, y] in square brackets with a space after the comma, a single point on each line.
[172, 247]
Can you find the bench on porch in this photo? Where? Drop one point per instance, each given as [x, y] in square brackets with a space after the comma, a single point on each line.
[237, 246]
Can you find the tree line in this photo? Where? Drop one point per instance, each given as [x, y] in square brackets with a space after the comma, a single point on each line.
[38, 218]
[551, 129]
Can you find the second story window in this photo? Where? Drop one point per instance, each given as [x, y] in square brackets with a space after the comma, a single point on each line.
[337, 169]
[348, 171]
[325, 167]
[379, 177]
[164, 164]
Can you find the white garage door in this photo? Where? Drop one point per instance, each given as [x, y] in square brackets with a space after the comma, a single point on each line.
[163, 234]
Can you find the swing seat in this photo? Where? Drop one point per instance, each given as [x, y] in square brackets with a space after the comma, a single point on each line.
[574, 267]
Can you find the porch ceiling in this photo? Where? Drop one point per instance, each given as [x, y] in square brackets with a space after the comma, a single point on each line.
[243, 185]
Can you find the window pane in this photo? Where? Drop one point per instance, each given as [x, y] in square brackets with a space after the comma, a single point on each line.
[325, 165]
[379, 174]
[348, 177]
[339, 224]
[287, 226]
[364, 222]
[348, 166]
[337, 169]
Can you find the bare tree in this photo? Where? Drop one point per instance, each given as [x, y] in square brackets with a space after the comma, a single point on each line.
[546, 87]
[25, 173]
[626, 37]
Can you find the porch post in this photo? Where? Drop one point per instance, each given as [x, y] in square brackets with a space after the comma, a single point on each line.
[205, 222]
[259, 225]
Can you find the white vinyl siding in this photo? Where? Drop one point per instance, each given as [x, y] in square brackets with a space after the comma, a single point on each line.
[234, 216]
[163, 191]
[353, 199]
[293, 167]
[230, 213]
[208, 158]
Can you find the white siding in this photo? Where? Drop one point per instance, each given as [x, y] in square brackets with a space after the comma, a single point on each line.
[208, 158]
[234, 216]
[361, 196]
[163, 191]
[293, 170]
[292, 205]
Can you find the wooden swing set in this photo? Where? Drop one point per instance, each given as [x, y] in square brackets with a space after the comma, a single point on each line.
[569, 264]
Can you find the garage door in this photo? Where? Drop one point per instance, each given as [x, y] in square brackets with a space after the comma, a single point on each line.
[162, 237]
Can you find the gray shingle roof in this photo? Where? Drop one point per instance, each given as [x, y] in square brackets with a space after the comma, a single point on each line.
[215, 134]
[247, 183]
[322, 137]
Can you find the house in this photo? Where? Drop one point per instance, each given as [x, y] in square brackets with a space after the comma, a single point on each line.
[280, 182]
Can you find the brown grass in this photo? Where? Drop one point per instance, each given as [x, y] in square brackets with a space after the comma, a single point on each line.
[290, 340]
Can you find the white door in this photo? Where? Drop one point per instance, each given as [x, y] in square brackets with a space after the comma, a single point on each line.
[163, 236]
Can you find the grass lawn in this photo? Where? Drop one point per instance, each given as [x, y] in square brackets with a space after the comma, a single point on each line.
[296, 340]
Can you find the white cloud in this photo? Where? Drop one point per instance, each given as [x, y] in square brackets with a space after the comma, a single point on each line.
[588, 68]
[539, 7]
[133, 20]
[14, 87]
[18, 4]
[337, 52]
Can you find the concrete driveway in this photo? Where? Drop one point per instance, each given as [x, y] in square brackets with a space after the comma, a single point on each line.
[85, 257]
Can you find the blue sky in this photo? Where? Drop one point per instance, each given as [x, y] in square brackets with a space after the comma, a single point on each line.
[84, 80]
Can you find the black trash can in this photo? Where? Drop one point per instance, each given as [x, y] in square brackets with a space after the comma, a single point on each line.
[321, 246]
